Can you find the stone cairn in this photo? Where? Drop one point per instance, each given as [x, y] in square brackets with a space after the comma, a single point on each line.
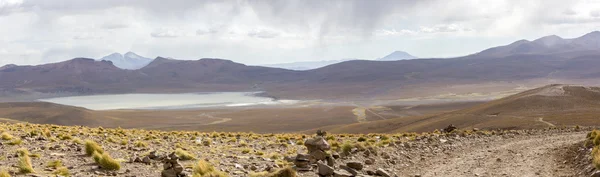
[317, 147]
[172, 167]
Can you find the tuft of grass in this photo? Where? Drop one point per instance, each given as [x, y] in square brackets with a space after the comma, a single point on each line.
[246, 150]
[96, 156]
[4, 173]
[62, 171]
[108, 163]
[77, 141]
[65, 136]
[206, 142]
[24, 164]
[184, 155]
[16, 141]
[361, 139]
[205, 169]
[284, 172]
[141, 144]
[54, 164]
[6, 136]
[91, 147]
[346, 148]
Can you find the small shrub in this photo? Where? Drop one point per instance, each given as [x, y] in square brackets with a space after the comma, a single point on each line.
[91, 147]
[4, 173]
[346, 148]
[16, 142]
[54, 164]
[65, 137]
[206, 141]
[205, 169]
[184, 155]
[24, 165]
[284, 172]
[6, 136]
[362, 139]
[62, 171]
[141, 144]
[97, 156]
[246, 151]
[108, 163]
[77, 141]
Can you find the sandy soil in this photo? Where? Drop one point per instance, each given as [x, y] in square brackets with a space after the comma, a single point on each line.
[522, 156]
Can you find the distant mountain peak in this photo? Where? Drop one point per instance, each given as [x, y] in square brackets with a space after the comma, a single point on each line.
[397, 55]
[551, 40]
[129, 60]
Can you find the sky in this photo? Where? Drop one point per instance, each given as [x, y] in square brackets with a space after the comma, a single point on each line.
[275, 31]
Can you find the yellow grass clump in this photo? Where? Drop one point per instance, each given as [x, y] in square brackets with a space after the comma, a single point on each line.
[24, 163]
[184, 155]
[4, 173]
[205, 169]
[108, 163]
[91, 147]
[6, 136]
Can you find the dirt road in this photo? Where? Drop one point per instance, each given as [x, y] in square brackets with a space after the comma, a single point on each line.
[529, 155]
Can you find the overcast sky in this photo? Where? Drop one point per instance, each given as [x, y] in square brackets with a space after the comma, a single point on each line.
[279, 31]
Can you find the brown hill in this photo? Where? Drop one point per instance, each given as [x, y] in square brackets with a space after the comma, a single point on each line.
[49, 113]
[552, 105]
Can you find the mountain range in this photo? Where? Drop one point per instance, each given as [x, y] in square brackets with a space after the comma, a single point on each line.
[547, 58]
[308, 65]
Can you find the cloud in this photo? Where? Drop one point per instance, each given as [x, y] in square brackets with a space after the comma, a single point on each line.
[569, 12]
[201, 32]
[393, 32]
[444, 28]
[10, 6]
[262, 33]
[167, 33]
[595, 13]
[300, 30]
[86, 36]
[115, 25]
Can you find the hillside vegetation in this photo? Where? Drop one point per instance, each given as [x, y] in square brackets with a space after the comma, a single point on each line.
[83, 151]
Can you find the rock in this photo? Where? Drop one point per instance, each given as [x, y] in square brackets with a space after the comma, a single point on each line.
[382, 172]
[355, 165]
[370, 161]
[318, 155]
[349, 170]
[341, 173]
[370, 172]
[137, 159]
[301, 164]
[330, 161]
[168, 173]
[324, 170]
[178, 168]
[146, 160]
[335, 155]
[303, 157]
[152, 155]
[450, 128]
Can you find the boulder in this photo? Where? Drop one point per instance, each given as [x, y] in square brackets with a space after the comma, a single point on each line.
[349, 170]
[324, 170]
[382, 172]
[168, 173]
[341, 173]
[355, 165]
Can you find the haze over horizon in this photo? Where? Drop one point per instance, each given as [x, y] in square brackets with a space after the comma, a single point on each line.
[261, 32]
